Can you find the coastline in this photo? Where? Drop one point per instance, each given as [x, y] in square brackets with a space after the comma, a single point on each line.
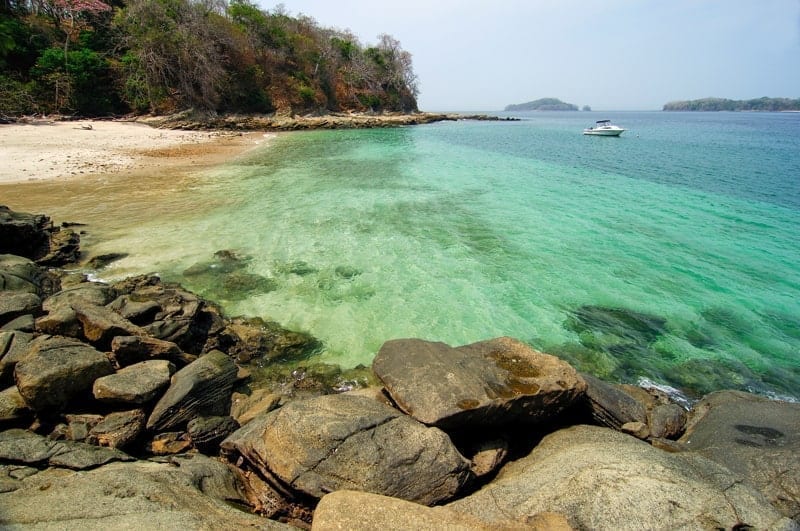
[42, 149]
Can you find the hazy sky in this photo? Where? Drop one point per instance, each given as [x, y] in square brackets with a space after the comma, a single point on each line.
[609, 54]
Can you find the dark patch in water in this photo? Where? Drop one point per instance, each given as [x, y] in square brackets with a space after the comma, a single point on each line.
[635, 327]
[225, 278]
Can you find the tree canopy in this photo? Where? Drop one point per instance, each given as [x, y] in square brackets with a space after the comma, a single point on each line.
[93, 57]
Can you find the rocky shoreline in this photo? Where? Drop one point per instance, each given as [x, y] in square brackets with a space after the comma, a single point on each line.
[132, 405]
[192, 120]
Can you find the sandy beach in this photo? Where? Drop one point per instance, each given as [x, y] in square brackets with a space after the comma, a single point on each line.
[47, 150]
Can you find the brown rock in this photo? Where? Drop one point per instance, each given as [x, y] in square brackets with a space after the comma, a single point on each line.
[334, 442]
[128, 350]
[136, 384]
[118, 430]
[491, 382]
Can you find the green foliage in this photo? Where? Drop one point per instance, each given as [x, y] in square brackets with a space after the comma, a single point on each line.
[168, 55]
[720, 104]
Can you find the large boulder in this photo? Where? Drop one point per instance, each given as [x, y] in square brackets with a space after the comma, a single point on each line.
[202, 388]
[602, 479]
[492, 382]
[140, 495]
[334, 442]
[56, 369]
[755, 437]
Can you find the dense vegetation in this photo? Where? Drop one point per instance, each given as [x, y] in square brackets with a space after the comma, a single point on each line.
[721, 104]
[92, 57]
[543, 104]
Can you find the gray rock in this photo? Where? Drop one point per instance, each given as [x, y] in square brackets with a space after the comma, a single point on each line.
[15, 304]
[100, 325]
[23, 323]
[491, 382]
[755, 437]
[602, 479]
[11, 476]
[138, 312]
[333, 442]
[13, 347]
[57, 369]
[22, 446]
[611, 406]
[20, 274]
[202, 388]
[12, 405]
[119, 429]
[207, 432]
[136, 384]
[140, 495]
[61, 318]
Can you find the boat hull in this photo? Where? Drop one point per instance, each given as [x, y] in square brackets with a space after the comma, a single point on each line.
[604, 131]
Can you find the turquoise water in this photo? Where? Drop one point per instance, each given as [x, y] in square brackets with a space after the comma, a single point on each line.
[668, 255]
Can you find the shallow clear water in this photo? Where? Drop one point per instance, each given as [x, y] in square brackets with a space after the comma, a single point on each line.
[670, 254]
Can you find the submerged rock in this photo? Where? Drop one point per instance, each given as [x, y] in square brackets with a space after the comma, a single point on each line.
[334, 442]
[494, 382]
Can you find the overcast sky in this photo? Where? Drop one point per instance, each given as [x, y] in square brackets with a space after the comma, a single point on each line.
[480, 55]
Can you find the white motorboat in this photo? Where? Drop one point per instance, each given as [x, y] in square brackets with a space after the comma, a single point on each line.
[604, 128]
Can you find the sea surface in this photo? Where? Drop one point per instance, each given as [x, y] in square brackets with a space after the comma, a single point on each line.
[669, 256]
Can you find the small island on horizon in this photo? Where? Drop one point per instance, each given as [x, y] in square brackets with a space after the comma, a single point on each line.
[542, 104]
[763, 104]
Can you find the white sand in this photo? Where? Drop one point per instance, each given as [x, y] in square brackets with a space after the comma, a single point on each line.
[51, 150]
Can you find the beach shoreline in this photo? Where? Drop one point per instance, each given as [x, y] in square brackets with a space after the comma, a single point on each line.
[47, 150]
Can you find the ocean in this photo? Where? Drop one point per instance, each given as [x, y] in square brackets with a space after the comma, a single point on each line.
[669, 256]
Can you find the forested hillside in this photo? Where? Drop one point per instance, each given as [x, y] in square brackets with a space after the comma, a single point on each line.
[92, 58]
[722, 104]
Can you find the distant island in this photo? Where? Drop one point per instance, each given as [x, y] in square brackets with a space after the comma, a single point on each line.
[722, 104]
[543, 104]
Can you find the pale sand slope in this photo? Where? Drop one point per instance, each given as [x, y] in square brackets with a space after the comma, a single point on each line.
[52, 150]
